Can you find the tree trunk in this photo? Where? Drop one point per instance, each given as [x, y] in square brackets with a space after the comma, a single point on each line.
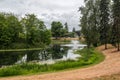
[106, 43]
[118, 46]
[105, 46]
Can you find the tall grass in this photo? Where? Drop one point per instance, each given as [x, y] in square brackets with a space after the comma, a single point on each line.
[89, 56]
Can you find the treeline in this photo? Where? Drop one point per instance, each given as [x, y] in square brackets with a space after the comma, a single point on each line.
[29, 31]
[59, 30]
[25, 32]
[100, 22]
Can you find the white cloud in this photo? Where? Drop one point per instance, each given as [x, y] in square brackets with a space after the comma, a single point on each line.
[47, 10]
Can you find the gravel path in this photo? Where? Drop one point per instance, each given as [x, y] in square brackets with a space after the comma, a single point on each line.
[111, 65]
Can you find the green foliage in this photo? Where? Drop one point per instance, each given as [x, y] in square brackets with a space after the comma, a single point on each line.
[115, 38]
[104, 28]
[29, 31]
[56, 29]
[9, 29]
[71, 34]
[66, 27]
[73, 29]
[90, 22]
[10, 71]
[89, 57]
[36, 32]
[100, 22]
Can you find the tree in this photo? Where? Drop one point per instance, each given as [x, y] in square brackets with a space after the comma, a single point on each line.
[65, 30]
[64, 33]
[104, 22]
[35, 31]
[10, 29]
[56, 29]
[29, 22]
[116, 23]
[29, 31]
[66, 27]
[89, 22]
[4, 37]
[73, 29]
[14, 27]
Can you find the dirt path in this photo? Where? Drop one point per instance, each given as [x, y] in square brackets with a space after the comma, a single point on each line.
[111, 65]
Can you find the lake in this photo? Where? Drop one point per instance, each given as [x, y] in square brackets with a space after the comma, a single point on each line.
[50, 55]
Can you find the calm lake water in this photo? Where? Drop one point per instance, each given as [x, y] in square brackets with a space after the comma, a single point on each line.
[48, 56]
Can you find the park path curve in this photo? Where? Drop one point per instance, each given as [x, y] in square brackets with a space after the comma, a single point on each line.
[111, 65]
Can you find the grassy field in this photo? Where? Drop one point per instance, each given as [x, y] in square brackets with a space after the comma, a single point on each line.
[89, 57]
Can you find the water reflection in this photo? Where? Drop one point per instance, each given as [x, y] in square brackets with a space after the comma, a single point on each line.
[74, 45]
[50, 55]
[8, 58]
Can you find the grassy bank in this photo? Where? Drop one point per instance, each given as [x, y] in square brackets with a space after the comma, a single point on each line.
[89, 57]
[60, 41]
[29, 49]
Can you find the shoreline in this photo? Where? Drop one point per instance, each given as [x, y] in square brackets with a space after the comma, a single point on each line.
[11, 50]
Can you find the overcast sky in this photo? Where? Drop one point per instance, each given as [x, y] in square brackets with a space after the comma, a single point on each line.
[46, 10]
